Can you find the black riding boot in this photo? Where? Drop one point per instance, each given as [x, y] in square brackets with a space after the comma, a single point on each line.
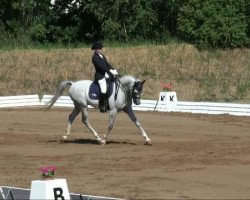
[103, 103]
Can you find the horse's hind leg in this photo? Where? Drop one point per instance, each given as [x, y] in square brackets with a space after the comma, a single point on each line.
[85, 120]
[72, 117]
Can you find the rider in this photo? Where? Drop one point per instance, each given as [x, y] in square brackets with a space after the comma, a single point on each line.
[103, 70]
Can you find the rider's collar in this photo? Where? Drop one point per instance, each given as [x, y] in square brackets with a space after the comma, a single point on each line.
[99, 53]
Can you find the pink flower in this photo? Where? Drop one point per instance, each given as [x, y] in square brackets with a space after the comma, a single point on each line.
[167, 86]
[48, 171]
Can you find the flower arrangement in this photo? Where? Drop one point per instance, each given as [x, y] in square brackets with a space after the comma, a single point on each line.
[48, 172]
[167, 86]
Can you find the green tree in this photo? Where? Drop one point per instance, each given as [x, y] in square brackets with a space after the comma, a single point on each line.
[214, 23]
[206, 23]
[167, 16]
[123, 20]
[248, 19]
[24, 20]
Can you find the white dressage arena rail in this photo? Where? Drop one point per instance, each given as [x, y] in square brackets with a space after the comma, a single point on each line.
[17, 101]
[146, 105]
[15, 193]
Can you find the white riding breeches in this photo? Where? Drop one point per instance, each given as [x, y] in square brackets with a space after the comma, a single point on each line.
[103, 85]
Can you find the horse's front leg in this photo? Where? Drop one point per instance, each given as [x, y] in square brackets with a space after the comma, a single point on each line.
[85, 120]
[132, 116]
[112, 115]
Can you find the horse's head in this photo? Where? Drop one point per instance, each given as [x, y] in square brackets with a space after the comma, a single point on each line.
[136, 92]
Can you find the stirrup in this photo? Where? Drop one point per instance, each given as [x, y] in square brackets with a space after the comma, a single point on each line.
[103, 109]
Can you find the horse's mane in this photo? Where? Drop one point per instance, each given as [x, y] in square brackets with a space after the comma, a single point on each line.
[128, 76]
[131, 75]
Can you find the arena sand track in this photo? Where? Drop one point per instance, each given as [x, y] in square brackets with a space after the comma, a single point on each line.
[193, 156]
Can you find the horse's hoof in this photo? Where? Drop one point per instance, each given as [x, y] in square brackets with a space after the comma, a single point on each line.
[148, 143]
[101, 142]
[65, 137]
[64, 140]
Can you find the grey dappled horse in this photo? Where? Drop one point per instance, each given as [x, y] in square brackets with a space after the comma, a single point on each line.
[128, 89]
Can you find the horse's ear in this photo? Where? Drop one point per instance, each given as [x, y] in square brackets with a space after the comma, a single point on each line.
[143, 82]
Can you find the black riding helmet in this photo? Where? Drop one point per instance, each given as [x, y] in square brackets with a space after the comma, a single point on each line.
[97, 45]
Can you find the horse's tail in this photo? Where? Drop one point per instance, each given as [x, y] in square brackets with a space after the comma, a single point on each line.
[59, 92]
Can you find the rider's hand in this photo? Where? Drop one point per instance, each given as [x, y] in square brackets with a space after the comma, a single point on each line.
[113, 72]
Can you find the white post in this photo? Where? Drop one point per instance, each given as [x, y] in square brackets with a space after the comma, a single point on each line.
[56, 189]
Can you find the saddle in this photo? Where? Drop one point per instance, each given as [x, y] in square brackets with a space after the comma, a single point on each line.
[95, 91]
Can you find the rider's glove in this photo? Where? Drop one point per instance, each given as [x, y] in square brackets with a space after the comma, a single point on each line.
[106, 75]
[113, 72]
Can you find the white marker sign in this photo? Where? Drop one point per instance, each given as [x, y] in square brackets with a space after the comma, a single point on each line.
[168, 97]
[56, 189]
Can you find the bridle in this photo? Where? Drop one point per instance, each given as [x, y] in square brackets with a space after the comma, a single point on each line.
[135, 93]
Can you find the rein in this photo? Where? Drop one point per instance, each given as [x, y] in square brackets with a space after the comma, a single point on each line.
[117, 87]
